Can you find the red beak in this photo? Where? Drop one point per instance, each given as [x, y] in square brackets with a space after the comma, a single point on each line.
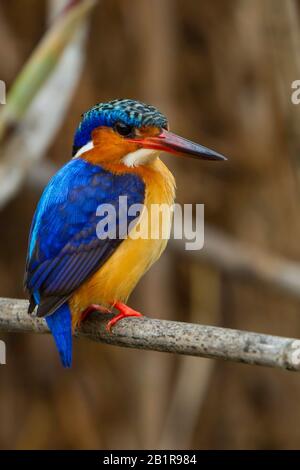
[172, 143]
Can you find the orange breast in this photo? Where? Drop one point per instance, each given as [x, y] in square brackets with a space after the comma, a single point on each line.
[116, 279]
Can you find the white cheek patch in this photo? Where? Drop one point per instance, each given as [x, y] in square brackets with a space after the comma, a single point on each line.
[85, 148]
[140, 157]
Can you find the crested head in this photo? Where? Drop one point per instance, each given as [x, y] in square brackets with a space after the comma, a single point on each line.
[126, 113]
[123, 134]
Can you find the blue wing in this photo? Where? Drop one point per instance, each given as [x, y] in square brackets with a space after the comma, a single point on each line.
[64, 249]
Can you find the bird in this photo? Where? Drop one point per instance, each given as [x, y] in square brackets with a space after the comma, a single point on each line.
[70, 269]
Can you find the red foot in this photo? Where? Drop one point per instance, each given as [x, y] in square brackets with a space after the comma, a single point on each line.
[93, 308]
[125, 311]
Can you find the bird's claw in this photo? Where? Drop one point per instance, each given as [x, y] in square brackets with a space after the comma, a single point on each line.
[92, 308]
[125, 312]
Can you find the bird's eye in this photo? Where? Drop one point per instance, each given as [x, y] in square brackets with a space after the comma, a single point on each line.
[124, 129]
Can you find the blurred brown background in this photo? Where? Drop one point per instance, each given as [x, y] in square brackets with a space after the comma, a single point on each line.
[222, 73]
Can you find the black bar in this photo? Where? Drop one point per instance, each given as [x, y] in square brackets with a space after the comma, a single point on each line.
[151, 458]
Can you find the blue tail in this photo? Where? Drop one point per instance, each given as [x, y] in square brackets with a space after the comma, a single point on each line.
[60, 325]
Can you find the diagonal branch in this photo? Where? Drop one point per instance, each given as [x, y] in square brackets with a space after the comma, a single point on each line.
[42, 63]
[168, 336]
[43, 106]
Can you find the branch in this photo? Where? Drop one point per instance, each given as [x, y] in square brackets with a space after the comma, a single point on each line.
[41, 63]
[244, 259]
[168, 336]
[42, 116]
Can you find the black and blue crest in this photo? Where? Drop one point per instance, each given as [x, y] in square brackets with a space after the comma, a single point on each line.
[131, 112]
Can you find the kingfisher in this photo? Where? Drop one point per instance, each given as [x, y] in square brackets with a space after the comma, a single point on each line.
[71, 268]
